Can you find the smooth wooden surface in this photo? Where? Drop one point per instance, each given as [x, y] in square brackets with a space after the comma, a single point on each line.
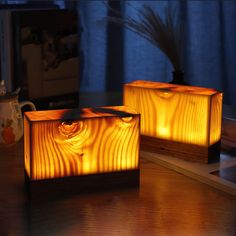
[220, 174]
[166, 203]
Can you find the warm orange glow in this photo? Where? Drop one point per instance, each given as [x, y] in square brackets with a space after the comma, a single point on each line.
[175, 112]
[102, 140]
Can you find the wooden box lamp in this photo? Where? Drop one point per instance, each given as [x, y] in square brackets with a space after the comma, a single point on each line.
[177, 120]
[99, 150]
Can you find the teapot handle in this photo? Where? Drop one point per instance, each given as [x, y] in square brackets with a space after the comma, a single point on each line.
[24, 103]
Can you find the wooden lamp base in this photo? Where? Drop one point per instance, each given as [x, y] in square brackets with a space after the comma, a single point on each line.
[188, 152]
[59, 187]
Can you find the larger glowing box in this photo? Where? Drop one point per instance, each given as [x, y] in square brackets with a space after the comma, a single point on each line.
[99, 146]
[183, 121]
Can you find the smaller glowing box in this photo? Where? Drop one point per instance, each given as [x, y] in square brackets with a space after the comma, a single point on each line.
[184, 121]
[85, 143]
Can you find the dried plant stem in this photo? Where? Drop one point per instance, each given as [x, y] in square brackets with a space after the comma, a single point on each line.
[164, 34]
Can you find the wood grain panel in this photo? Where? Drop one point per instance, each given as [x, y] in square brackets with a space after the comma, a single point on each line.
[91, 145]
[176, 113]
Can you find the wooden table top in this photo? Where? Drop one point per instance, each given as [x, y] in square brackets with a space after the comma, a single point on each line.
[166, 203]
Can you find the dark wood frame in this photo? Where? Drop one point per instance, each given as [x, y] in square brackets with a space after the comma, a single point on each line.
[188, 152]
[45, 189]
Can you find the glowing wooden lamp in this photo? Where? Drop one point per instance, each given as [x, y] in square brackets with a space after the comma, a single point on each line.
[184, 121]
[100, 149]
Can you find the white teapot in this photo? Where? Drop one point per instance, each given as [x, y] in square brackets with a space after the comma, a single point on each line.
[11, 122]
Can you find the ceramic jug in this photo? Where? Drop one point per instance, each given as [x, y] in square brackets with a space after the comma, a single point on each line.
[11, 122]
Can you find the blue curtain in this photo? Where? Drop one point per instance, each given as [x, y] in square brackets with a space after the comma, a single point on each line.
[211, 46]
[93, 45]
[209, 55]
[12, 1]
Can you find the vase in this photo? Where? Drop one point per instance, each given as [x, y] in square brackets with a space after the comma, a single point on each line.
[178, 78]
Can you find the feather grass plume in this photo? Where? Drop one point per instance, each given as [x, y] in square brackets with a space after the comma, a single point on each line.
[164, 34]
